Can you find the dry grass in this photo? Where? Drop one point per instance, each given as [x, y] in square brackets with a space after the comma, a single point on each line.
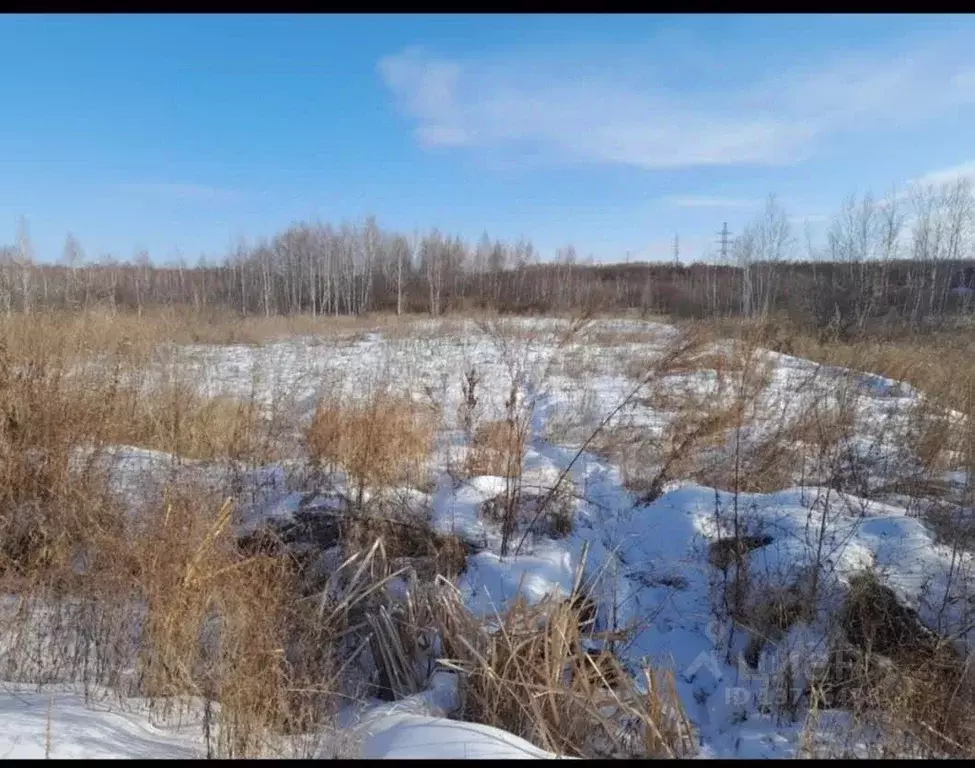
[178, 421]
[154, 602]
[531, 677]
[713, 350]
[171, 606]
[385, 441]
[168, 604]
[139, 336]
[601, 337]
[893, 673]
[166, 609]
[938, 364]
[896, 678]
[699, 438]
[933, 363]
[942, 368]
[496, 448]
[940, 432]
[89, 382]
[408, 540]
[217, 623]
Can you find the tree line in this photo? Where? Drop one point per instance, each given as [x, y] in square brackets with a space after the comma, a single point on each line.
[904, 259]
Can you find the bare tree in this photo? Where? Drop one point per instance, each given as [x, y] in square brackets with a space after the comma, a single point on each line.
[775, 243]
[852, 238]
[432, 255]
[744, 254]
[371, 255]
[71, 257]
[401, 251]
[958, 208]
[142, 265]
[355, 269]
[892, 218]
[25, 263]
[8, 261]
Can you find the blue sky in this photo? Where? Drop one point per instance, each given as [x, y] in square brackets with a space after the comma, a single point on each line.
[179, 134]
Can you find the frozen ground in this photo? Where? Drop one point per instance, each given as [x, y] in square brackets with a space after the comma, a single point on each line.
[649, 561]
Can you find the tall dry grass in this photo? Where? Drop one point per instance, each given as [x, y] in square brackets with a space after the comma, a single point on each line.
[528, 672]
[906, 688]
[384, 441]
[698, 438]
[159, 602]
[100, 330]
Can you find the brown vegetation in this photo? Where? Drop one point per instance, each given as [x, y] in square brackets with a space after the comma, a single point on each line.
[889, 669]
[384, 441]
[496, 449]
[532, 678]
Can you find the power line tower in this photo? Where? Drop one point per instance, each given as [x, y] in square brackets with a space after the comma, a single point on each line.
[676, 250]
[725, 234]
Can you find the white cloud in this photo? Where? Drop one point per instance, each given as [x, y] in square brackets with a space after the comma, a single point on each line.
[597, 115]
[585, 119]
[948, 175]
[707, 201]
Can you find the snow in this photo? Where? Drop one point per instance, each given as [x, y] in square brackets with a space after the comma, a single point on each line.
[63, 724]
[490, 582]
[649, 561]
[406, 736]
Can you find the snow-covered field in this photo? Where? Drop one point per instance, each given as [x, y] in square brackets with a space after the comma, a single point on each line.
[650, 561]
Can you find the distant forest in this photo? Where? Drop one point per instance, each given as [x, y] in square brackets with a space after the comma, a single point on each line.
[904, 261]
